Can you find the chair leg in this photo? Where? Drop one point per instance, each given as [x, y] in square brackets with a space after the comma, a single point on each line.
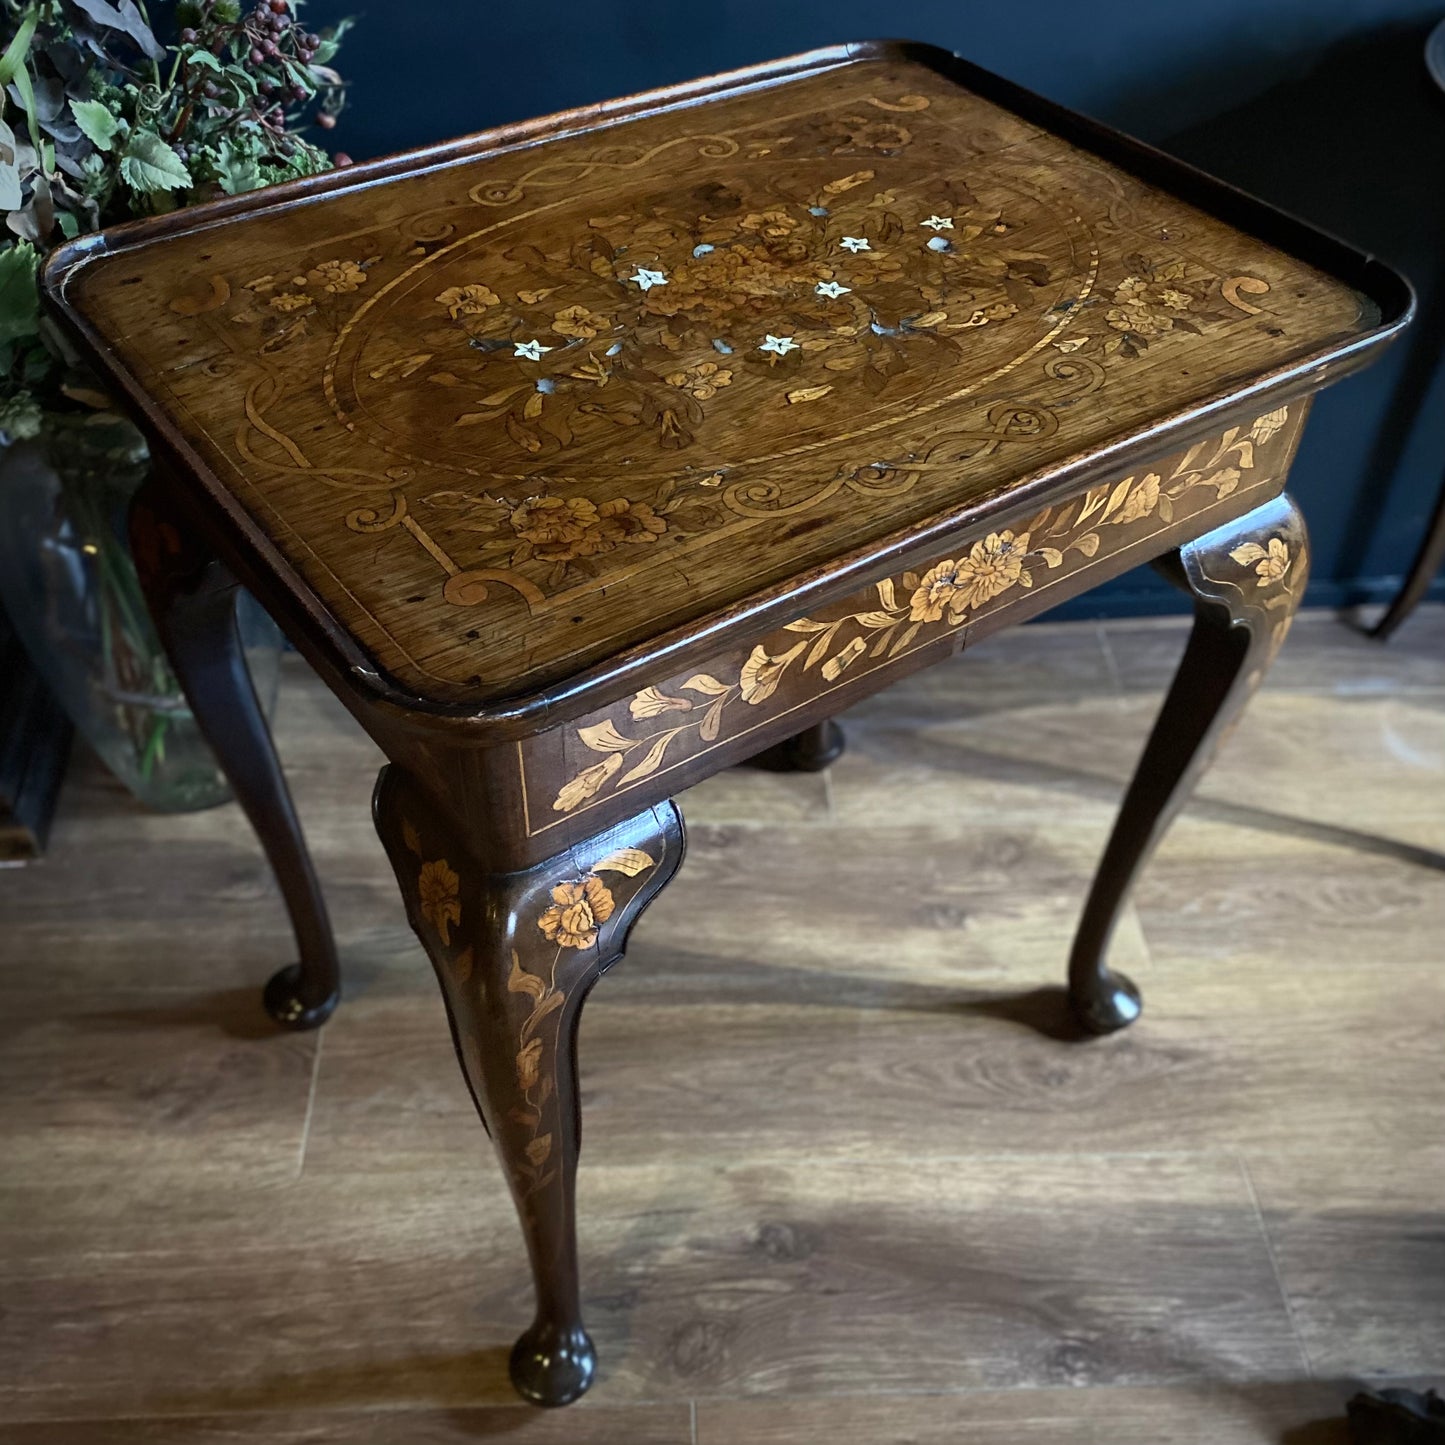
[1247, 579]
[515, 954]
[1428, 561]
[192, 599]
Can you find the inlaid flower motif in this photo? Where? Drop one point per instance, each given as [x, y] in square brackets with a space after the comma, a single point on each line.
[562, 528]
[531, 350]
[853, 133]
[577, 911]
[940, 588]
[1146, 309]
[727, 280]
[620, 521]
[938, 223]
[470, 300]
[772, 225]
[554, 525]
[832, 290]
[647, 279]
[991, 567]
[587, 784]
[290, 301]
[579, 322]
[1141, 500]
[855, 244]
[778, 345]
[439, 891]
[702, 380]
[336, 276]
[1266, 425]
[1274, 564]
[760, 676]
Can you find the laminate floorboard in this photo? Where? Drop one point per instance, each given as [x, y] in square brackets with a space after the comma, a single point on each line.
[846, 1175]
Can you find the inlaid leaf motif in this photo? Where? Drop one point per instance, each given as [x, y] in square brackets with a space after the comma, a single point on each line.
[653, 760]
[807, 393]
[539, 1150]
[1093, 500]
[651, 702]
[520, 981]
[630, 861]
[821, 645]
[401, 366]
[410, 837]
[708, 686]
[529, 1056]
[603, 737]
[887, 595]
[1248, 552]
[1088, 544]
[1051, 555]
[1116, 498]
[712, 723]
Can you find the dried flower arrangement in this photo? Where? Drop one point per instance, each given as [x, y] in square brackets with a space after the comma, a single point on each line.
[100, 121]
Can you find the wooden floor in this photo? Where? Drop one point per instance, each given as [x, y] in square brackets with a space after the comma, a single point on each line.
[844, 1181]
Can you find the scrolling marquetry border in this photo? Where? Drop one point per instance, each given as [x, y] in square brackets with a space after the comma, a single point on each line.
[661, 727]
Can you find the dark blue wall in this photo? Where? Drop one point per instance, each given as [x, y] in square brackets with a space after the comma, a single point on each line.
[1320, 106]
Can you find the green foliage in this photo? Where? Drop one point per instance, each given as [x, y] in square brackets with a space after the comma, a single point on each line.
[96, 122]
[100, 121]
[150, 165]
[19, 300]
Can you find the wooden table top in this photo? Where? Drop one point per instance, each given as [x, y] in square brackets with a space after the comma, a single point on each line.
[506, 412]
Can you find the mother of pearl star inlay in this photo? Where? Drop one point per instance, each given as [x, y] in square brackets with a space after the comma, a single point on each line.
[530, 350]
[779, 345]
[831, 289]
[648, 279]
[855, 244]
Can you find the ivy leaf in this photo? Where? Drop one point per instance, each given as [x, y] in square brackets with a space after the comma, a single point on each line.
[96, 122]
[149, 165]
[19, 298]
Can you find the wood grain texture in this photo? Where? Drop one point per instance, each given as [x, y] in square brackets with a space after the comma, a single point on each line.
[159, 1262]
[514, 418]
[629, 1425]
[1298, 1414]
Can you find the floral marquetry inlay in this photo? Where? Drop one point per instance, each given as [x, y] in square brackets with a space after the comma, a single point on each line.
[511, 415]
[667, 724]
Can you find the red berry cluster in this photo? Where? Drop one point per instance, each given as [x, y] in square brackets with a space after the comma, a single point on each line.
[263, 41]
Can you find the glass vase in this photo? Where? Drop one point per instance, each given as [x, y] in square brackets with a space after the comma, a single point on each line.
[70, 587]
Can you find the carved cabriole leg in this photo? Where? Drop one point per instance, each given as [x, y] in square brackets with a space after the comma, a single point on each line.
[1247, 579]
[192, 599]
[515, 954]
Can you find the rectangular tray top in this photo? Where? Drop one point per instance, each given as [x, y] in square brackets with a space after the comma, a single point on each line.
[509, 414]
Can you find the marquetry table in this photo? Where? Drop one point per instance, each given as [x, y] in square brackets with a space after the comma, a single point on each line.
[586, 457]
